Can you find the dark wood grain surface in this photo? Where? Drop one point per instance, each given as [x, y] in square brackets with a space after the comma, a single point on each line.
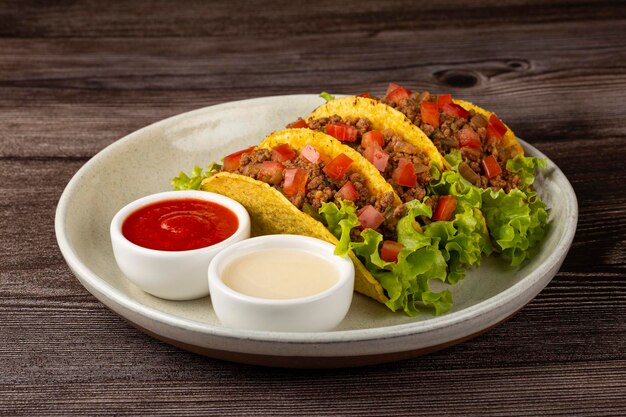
[76, 76]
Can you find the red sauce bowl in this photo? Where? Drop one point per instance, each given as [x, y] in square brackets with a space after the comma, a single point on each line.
[164, 242]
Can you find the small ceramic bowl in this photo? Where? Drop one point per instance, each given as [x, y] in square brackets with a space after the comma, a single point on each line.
[172, 275]
[313, 313]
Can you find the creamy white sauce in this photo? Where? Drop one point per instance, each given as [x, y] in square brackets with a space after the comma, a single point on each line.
[280, 274]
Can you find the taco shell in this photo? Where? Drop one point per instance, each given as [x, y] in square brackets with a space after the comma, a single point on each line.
[382, 117]
[272, 213]
[331, 147]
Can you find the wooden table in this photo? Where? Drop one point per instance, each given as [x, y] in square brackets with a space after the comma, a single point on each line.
[76, 76]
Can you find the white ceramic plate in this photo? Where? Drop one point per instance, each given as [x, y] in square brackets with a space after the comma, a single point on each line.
[144, 162]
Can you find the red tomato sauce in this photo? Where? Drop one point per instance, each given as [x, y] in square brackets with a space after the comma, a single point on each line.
[178, 225]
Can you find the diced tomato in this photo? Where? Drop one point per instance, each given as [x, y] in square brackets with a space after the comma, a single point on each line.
[271, 172]
[232, 161]
[365, 95]
[390, 250]
[283, 152]
[298, 124]
[377, 157]
[430, 113]
[342, 131]
[491, 166]
[295, 181]
[348, 192]
[337, 168]
[370, 217]
[446, 206]
[404, 174]
[453, 109]
[396, 93]
[392, 87]
[468, 137]
[443, 99]
[372, 137]
[310, 154]
[495, 129]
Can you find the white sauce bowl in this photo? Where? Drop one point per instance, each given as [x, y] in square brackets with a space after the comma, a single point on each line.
[172, 275]
[319, 312]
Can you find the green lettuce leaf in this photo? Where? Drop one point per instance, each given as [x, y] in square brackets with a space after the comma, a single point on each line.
[454, 158]
[327, 96]
[407, 281]
[193, 181]
[516, 220]
[340, 222]
[524, 167]
[464, 239]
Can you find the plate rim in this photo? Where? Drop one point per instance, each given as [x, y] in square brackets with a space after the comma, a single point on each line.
[454, 319]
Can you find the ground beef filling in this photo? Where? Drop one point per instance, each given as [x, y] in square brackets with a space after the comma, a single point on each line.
[319, 187]
[395, 146]
[445, 139]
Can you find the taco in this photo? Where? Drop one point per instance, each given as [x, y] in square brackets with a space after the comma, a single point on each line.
[306, 182]
[409, 161]
[475, 144]
[292, 173]
[485, 143]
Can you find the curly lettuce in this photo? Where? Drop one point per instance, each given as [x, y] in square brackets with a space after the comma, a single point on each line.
[193, 181]
[327, 96]
[340, 221]
[464, 239]
[516, 220]
[406, 281]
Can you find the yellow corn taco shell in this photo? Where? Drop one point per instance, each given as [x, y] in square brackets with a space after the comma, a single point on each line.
[331, 147]
[382, 117]
[508, 140]
[272, 213]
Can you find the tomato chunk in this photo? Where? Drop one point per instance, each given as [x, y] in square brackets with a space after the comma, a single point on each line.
[373, 137]
[446, 206]
[495, 128]
[377, 157]
[390, 250]
[396, 93]
[443, 99]
[430, 113]
[337, 168]
[271, 172]
[404, 174]
[468, 137]
[370, 217]
[491, 167]
[342, 131]
[310, 154]
[295, 181]
[283, 152]
[298, 124]
[348, 191]
[453, 109]
[232, 161]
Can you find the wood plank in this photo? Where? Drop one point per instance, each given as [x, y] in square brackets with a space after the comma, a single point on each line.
[279, 18]
[523, 391]
[95, 91]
